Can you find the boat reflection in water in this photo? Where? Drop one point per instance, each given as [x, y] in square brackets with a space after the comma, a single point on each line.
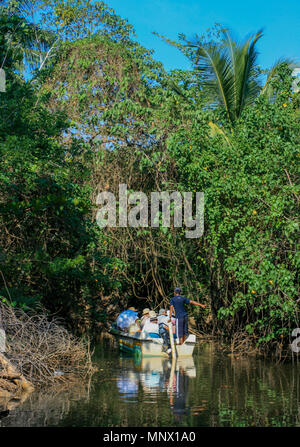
[152, 376]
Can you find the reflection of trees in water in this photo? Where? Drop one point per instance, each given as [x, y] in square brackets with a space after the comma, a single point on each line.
[44, 408]
[246, 391]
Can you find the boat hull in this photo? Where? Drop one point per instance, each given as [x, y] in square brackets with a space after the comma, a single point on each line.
[151, 347]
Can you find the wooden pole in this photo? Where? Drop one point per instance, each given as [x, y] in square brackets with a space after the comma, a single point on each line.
[173, 349]
[172, 372]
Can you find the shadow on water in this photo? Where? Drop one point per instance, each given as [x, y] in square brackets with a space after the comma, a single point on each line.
[208, 389]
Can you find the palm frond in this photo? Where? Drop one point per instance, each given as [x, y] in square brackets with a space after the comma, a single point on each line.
[232, 49]
[214, 66]
[230, 71]
[217, 130]
[247, 85]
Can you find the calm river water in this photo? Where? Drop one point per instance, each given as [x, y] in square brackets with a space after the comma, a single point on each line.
[210, 389]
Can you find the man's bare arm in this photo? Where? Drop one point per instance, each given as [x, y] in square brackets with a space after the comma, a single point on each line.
[171, 312]
[197, 304]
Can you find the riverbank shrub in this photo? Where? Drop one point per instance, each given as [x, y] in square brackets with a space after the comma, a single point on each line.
[42, 350]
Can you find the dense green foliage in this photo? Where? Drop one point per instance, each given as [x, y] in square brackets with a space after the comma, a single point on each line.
[100, 112]
[249, 247]
[50, 249]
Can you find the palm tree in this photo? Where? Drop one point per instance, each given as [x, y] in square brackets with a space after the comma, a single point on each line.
[229, 71]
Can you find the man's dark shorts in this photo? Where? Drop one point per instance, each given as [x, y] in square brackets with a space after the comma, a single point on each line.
[182, 326]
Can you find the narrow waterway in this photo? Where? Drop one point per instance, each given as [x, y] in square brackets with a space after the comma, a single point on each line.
[208, 389]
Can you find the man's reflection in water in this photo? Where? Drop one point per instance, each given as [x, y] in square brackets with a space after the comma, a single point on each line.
[178, 389]
[157, 375]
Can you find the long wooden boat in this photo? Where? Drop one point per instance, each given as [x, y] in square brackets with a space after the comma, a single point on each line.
[141, 344]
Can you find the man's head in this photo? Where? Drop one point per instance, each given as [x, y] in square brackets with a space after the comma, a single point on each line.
[162, 312]
[146, 312]
[132, 308]
[152, 315]
[177, 291]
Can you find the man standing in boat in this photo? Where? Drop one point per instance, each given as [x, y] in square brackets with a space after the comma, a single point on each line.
[177, 306]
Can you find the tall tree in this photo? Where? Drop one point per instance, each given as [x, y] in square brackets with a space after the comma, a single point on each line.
[24, 43]
[45, 24]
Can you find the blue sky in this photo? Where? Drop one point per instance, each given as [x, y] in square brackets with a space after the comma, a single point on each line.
[280, 20]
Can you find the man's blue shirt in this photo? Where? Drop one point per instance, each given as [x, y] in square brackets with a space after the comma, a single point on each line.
[178, 303]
